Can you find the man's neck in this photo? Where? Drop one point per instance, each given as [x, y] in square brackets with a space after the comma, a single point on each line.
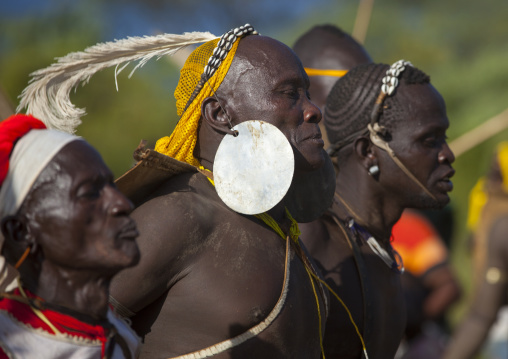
[367, 206]
[278, 213]
[76, 290]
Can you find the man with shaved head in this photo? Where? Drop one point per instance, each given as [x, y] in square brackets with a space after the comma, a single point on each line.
[327, 53]
[211, 281]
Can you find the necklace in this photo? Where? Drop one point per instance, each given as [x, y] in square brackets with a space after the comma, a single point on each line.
[394, 264]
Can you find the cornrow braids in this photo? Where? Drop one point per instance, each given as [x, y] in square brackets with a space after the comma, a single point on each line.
[351, 101]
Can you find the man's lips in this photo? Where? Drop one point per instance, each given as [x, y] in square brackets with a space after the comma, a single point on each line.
[445, 184]
[129, 231]
[316, 138]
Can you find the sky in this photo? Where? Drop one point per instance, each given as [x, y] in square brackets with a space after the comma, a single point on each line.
[134, 18]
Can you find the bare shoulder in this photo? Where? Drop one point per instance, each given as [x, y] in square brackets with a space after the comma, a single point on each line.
[172, 224]
[313, 234]
[321, 235]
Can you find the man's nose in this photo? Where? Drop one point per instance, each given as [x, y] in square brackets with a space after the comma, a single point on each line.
[312, 113]
[446, 154]
[119, 205]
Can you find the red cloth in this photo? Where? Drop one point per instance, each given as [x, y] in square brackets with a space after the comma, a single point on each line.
[64, 323]
[11, 129]
[418, 243]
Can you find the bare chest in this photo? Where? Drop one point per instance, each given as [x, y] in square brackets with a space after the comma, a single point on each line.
[241, 281]
[373, 295]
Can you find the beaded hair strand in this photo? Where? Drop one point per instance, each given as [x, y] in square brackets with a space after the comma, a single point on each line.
[351, 102]
[219, 54]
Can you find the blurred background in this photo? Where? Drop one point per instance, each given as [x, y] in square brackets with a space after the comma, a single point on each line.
[461, 44]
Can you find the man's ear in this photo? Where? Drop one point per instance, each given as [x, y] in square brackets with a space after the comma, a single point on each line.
[366, 152]
[215, 116]
[14, 228]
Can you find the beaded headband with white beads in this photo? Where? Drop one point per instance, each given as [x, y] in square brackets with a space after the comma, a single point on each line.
[219, 54]
[391, 80]
[225, 43]
[390, 83]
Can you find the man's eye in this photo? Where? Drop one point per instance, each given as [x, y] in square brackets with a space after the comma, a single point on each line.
[430, 142]
[89, 192]
[293, 93]
[434, 141]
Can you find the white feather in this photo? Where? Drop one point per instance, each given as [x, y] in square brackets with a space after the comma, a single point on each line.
[47, 95]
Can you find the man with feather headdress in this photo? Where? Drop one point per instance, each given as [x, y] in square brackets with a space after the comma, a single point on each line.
[212, 280]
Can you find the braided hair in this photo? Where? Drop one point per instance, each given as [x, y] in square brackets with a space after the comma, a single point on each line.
[351, 101]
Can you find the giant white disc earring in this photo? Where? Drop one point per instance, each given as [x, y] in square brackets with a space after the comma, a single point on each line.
[253, 171]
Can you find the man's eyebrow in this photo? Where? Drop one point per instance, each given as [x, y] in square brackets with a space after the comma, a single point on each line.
[432, 129]
[294, 81]
[96, 178]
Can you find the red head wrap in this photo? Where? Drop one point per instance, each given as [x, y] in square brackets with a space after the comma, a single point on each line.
[11, 129]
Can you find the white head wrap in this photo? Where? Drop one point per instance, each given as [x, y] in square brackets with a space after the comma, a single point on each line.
[30, 156]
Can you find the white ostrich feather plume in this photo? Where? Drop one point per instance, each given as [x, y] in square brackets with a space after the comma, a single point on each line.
[47, 95]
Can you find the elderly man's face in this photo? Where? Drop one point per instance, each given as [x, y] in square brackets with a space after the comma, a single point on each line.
[267, 82]
[419, 141]
[82, 219]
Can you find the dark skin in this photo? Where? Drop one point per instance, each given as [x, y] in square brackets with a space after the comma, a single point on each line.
[342, 53]
[377, 203]
[78, 227]
[208, 274]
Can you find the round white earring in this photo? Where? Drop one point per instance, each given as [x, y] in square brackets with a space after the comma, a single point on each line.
[374, 170]
[254, 170]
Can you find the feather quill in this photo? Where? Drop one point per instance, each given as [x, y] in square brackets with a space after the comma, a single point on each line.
[47, 95]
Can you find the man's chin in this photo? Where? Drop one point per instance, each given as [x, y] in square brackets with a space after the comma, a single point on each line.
[309, 163]
[439, 202]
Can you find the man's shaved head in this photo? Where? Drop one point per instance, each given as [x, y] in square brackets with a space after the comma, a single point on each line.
[327, 47]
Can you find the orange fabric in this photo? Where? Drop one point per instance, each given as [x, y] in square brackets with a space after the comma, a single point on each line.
[418, 243]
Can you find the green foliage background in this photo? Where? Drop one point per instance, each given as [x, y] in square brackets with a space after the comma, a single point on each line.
[462, 45]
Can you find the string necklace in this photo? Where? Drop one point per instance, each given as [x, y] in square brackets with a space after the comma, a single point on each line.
[294, 234]
[395, 263]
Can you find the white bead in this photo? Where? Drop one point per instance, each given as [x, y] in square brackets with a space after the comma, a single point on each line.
[394, 81]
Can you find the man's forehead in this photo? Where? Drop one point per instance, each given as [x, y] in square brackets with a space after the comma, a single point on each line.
[263, 49]
[424, 108]
[421, 97]
[79, 159]
[267, 55]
